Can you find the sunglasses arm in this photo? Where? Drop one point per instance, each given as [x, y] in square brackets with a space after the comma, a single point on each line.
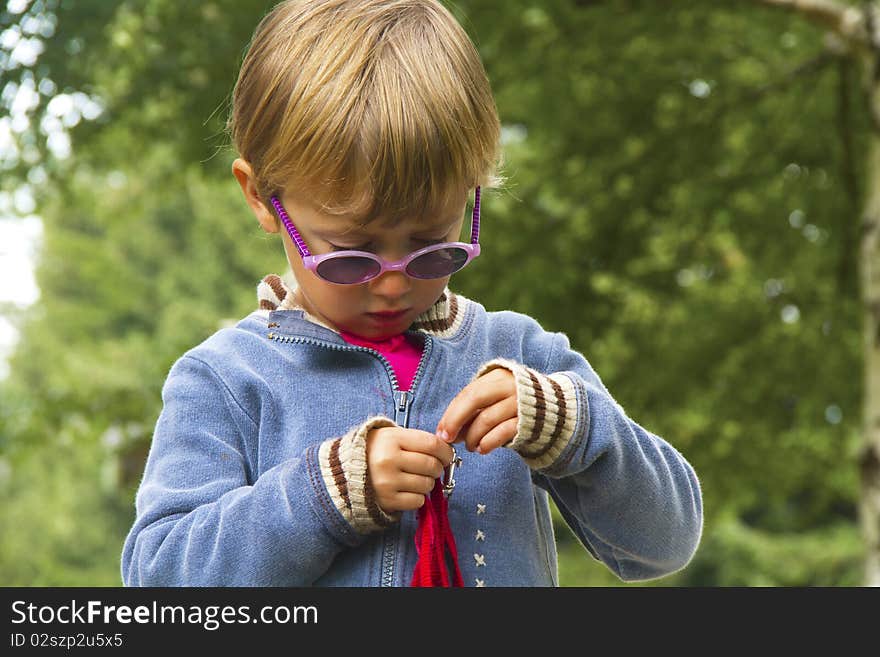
[475, 218]
[291, 229]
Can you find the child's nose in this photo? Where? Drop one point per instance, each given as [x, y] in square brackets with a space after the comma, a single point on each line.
[391, 284]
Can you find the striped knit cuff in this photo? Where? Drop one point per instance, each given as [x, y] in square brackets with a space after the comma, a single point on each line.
[344, 470]
[445, 317]
[547, 412]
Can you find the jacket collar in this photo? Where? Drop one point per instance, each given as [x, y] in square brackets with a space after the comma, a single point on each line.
[442, 320]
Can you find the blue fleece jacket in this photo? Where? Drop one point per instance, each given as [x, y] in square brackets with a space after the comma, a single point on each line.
[257, 472]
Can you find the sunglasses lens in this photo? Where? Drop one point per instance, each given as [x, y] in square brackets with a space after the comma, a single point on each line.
[348, 270]
[437, 264]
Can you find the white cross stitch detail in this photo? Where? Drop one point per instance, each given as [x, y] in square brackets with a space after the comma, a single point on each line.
[480, 535]
[480, 582]
[480, 559]
[481, 508]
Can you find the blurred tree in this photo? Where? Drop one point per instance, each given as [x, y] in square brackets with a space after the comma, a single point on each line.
[682, 184]
[854, 33]
[705, 234]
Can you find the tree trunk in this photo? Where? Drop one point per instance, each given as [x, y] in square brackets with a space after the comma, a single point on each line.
[869, 461]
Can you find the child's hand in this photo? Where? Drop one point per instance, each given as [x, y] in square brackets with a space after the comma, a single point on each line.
[483, 414]
[403, 466]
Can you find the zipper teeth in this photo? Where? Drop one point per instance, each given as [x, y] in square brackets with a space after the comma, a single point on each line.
[388, 559]
[428, 346]
[338, 347]
[395, 384]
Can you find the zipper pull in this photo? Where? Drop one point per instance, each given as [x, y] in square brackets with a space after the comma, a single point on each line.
[404, 401]
[449, 473]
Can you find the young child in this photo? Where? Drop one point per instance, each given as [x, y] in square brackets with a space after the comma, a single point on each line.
[311, 444]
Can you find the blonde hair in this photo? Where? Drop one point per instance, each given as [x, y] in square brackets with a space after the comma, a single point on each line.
[374, 107]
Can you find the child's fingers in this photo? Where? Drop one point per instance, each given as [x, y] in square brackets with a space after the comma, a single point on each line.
[408, 501]
[411, 483]
[486, 420]
[418, 463]
[487, 390]
[463, 431]
[498, 437]
[423, 442]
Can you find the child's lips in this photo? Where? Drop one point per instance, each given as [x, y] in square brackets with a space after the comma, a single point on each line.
[388, 315]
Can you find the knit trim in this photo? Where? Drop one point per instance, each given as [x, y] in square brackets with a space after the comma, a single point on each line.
[274, 294]
[547, 412]
[442, 320]
[343, 464]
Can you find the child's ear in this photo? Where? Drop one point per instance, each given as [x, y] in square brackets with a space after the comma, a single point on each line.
[244, 174]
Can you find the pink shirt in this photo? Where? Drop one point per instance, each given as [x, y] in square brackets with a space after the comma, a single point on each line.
[398, 350]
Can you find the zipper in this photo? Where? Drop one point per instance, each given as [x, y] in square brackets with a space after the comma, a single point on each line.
[401, 414]
[403, 400]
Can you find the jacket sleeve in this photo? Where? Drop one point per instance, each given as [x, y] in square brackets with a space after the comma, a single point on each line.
[630, 497]
[204, 519]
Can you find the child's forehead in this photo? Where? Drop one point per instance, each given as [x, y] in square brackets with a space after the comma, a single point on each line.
[362, 224]
[319, 217]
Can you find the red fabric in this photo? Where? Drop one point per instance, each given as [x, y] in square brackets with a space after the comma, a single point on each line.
[398, 350]
[434, 540]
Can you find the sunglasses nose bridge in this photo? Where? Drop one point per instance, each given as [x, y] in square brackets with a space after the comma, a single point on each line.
[399, 265]
[390, 281]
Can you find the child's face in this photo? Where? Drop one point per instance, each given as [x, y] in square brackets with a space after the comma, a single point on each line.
[352, 307]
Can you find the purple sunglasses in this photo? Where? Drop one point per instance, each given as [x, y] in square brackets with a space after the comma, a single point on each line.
[353, 267]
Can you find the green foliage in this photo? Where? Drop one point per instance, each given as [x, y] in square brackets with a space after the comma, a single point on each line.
[62, 512]
[683, 196]
[733, 554]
